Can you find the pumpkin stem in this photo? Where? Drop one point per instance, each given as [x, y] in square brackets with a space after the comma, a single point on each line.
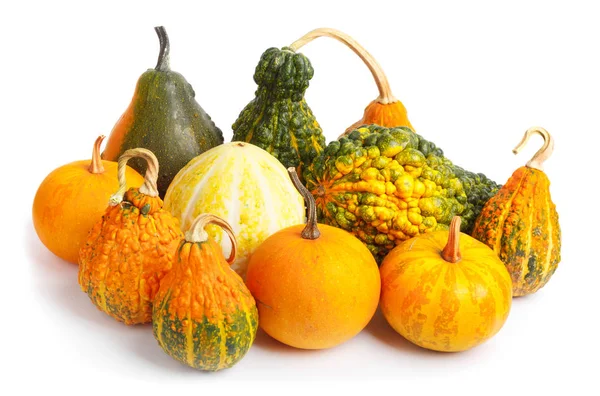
[451, 252]
[537, 162]
[163, 55]
[311, 231]
[196, 233]
[385, 92]
[149, 187]
[96, 164]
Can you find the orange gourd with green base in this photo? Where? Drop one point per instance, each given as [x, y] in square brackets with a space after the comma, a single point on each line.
[520, 222]
[131, 248]
[385, 110]
[72, 198]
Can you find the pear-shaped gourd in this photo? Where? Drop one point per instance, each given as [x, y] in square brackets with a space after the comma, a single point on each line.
[165, 118]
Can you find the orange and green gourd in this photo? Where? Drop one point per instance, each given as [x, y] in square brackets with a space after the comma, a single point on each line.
[315, 286]
[386, 185]
[385, 110]
[204, 315]
[165, 118]
[445, 291]
[131, 248]
[520, 223]
[72, 198]
[278, 119]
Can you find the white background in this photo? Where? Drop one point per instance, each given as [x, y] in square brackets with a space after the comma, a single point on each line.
[473, 77]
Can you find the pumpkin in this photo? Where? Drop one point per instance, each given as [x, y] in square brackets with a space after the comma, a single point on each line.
[278, 119]
[72, 198]
[445, 291]
[130, 249]
[520, 223]
[315, 286]
[386, 185]
[242, 184]
[385, 110]
[165, 118]
[204, 316]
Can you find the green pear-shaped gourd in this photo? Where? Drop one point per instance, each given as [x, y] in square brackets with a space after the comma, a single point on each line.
[165, 118]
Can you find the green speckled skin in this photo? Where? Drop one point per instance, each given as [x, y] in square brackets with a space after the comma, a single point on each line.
[278, 119]
[386, 185]
[164, 118]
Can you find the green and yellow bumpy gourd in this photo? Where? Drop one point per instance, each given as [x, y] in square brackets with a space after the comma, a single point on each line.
[388, 185]
[278, 119]
[204, 315]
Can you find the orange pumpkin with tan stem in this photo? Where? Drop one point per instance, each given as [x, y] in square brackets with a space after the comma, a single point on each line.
[72, 198]
[445, 290]
[315, 287]
[385, 110]
[131, 248]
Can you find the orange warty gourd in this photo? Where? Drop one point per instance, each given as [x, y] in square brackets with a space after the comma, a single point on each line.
[131, 248]
[385, 110]
[445, 290]
[72, 198]
[520, 222]
[315, 287]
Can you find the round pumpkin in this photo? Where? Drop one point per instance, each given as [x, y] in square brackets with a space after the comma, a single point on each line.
[204, 316]
[72, 198]
[315, 287]
[445, 291]
[244, 185]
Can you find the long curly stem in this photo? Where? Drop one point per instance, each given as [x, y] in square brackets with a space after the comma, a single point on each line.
[197, 233]
[537, 162]
[149, 187]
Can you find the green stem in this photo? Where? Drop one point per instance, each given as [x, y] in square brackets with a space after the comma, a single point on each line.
[163, 55]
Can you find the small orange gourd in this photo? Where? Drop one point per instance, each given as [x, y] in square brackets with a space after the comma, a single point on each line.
[315, 287]
[520, 222]
[72, 198]
[385, 110]
[204, 315]
[131, 248]
[444, 290]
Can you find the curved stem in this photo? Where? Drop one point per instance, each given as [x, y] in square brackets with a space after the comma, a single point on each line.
[451, 252]
[149, 187]
[163, 55]
[96, 164]
[311, 231]
[537, 162]
[197, 233]
[385, 93]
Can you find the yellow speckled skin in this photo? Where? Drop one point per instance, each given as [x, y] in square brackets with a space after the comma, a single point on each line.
[243, 184]
[126, 255]
[440, 305]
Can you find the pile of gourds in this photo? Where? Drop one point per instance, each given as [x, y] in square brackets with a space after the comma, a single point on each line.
[215, 240]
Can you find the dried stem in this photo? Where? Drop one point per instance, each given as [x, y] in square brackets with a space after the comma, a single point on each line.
[197, 233]
[537, 162]
[149, 187]
[311, 231]
[451, 252]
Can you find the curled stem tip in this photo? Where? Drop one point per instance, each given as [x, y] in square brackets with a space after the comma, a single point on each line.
[538, 159]
[197, 232]
[149, 187]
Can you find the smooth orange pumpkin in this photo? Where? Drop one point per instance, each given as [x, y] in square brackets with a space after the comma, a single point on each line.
[131, 248]
[72, 198]
[385, 110]
[445, 291]
[315, 287]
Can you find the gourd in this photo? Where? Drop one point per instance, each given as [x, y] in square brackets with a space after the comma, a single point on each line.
[242, 184]
[520, 223]
[445, 290]
[165, 118]
[130, 249]
[278, 119]
[315, 286]
[72, 198]
[386, 185]
[204, 316]
[385, 110]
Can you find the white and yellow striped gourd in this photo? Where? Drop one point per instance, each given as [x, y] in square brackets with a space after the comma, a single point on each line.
[243, 184]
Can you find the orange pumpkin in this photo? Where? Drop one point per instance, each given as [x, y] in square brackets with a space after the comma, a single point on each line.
[444, 290]
[520, 223]
[131, 248]
[72, 198]
[315, 287]
[385, 110]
